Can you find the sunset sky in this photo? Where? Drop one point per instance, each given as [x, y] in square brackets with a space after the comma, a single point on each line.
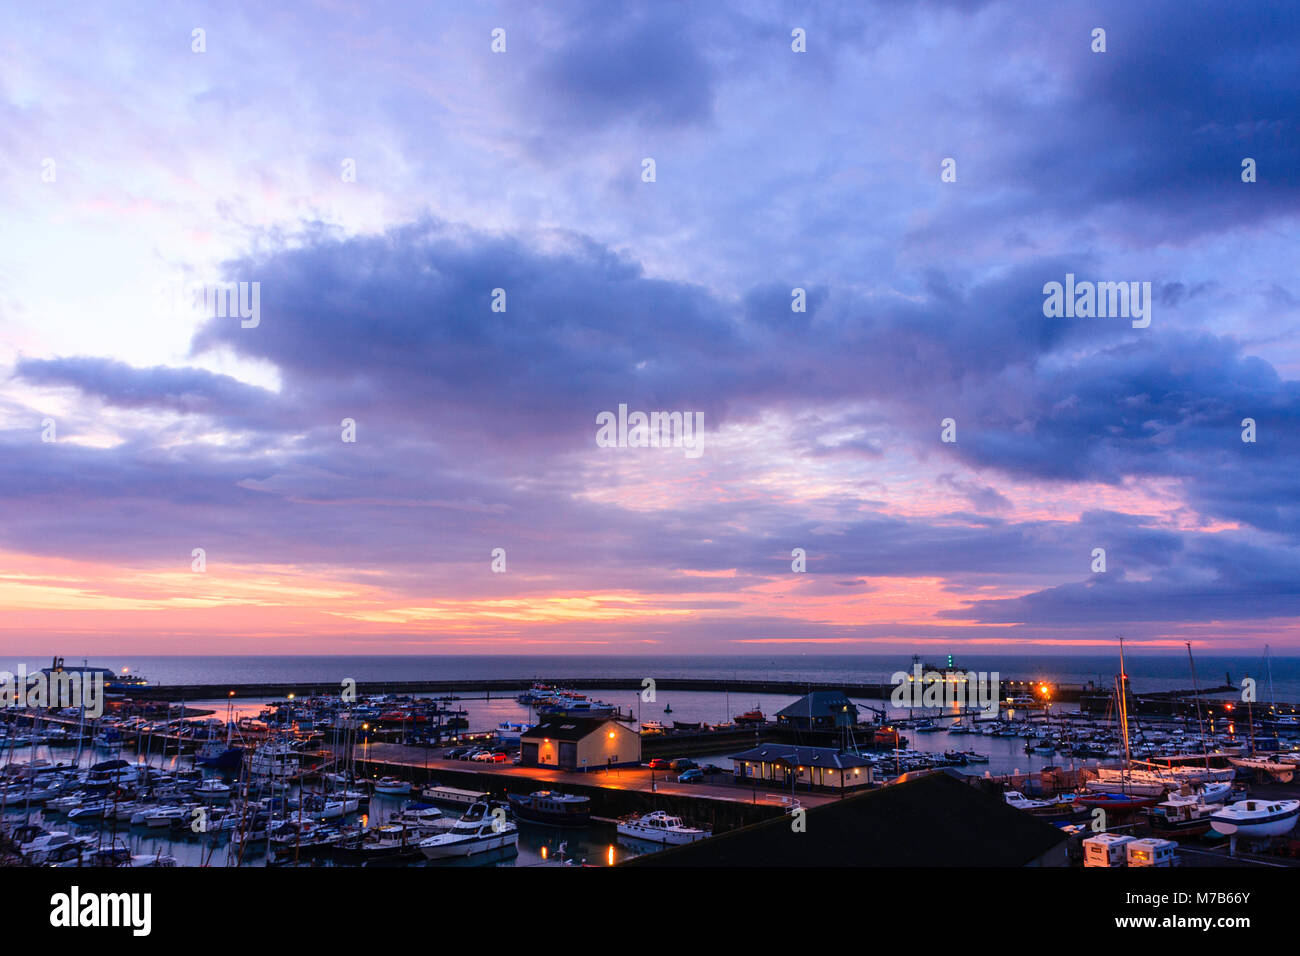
[475, 430]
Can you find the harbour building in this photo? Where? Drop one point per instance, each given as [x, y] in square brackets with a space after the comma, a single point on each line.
[579, 743]
[820, 710]
[790, 765]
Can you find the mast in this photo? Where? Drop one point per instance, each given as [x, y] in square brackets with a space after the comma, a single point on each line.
[1123, 706]
[1196, 691]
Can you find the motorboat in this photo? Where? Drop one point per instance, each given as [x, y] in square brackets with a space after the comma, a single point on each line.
[1256, 818]
[551, 808]
[480, 830]
[425, 818]
[389, 843]
[1171, 819]
[660, 827]
[392, 786]
[330, 808]
[36, 844]
[212, 791]
[111, 775]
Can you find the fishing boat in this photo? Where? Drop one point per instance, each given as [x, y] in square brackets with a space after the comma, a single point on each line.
[660, 827]
[551, 808]
[1256, 818]
[216, 755]
[478, 831]
[652, 727]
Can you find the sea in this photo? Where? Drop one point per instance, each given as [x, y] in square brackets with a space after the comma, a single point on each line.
[1278, 678]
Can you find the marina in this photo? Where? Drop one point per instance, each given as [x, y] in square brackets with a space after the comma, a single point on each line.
[510, 777]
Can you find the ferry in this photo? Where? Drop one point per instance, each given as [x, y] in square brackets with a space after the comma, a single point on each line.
[554, 809]
[577, 708]
[659, 827]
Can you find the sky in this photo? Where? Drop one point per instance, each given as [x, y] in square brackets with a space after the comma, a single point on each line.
[379, 169]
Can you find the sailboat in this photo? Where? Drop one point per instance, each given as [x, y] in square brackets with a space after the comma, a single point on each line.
[1117, 790]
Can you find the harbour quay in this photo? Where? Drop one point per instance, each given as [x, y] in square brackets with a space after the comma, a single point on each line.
[881, 690]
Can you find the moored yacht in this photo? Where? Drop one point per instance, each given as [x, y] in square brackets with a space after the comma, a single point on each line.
[660, 827]
[478, 831]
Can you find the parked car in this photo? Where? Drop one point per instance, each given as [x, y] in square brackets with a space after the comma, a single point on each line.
[482, 756]
[658, 763]
[682, 763]
[498, 757]
[694, 775]
[710, 769]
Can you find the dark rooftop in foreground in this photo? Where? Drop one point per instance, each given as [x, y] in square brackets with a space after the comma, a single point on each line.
[932, 820]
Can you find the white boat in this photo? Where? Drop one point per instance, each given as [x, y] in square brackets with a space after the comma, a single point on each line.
[652, 727]
[36, 843]
[277, 760]
[1256, 818]
[1015, 798]
[212, 790]
[659, 827]
[170, 816]
[391, 785]
[331, 808]
[478, 831]
[424, 818]
[509, 732]
[1202, 793]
